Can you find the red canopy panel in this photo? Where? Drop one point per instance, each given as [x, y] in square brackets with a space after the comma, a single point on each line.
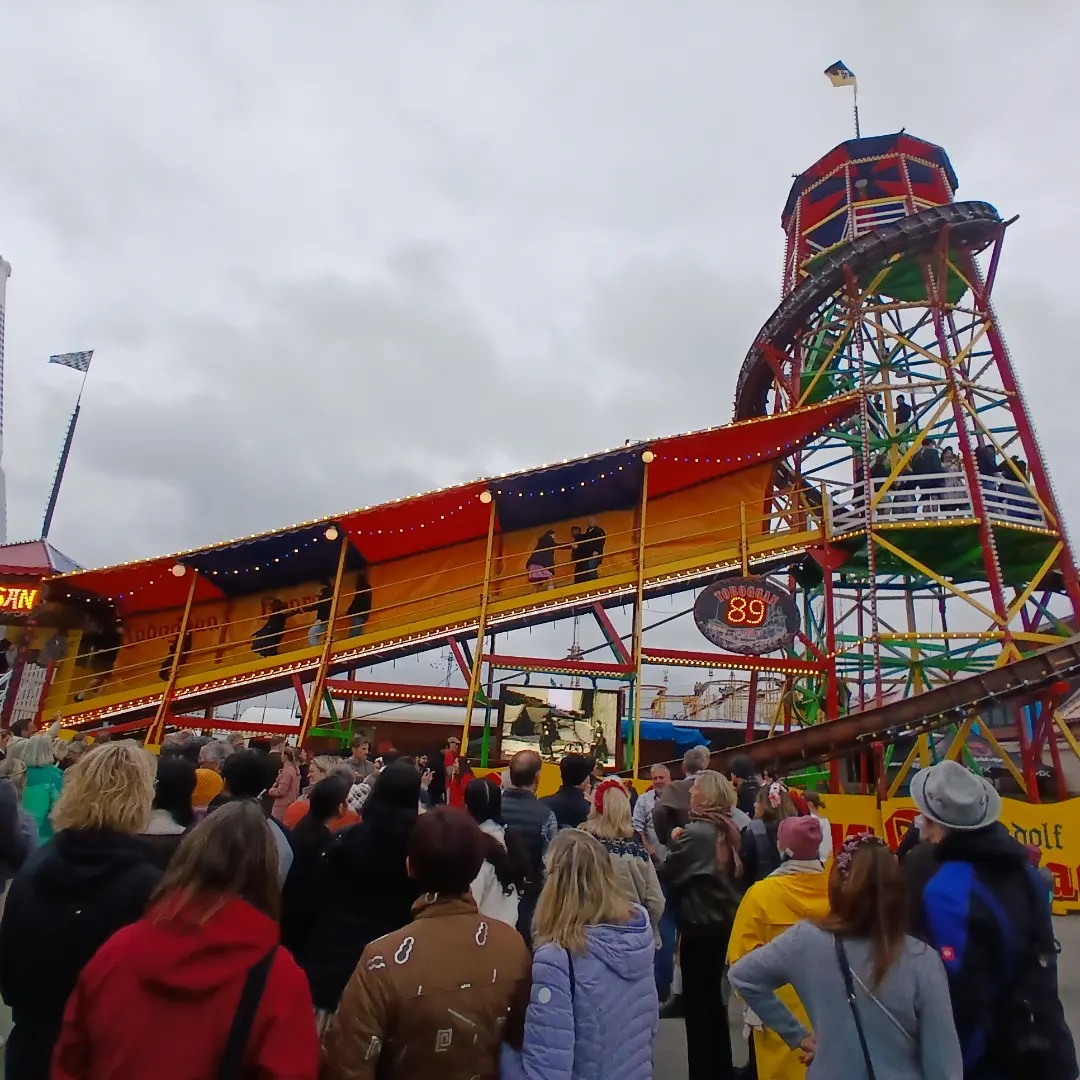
[422, 523]
[136, 587]
[686, 460]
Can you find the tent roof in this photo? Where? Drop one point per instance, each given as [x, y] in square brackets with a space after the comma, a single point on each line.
[876, 146]
[610, 480]
[34, 558]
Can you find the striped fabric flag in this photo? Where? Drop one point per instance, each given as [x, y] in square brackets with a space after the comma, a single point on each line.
[80, 361]
[840, 74]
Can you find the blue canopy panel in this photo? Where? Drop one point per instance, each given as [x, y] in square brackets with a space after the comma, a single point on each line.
[665, 731]
[277, 561]
[580, 488]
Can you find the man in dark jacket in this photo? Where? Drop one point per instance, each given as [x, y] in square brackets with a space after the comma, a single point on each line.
[746, 781]
[672, 809]
[531, 825]
[977, 901]
[570, 804]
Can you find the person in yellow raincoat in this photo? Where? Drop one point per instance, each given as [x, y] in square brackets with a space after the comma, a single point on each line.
[798, 890]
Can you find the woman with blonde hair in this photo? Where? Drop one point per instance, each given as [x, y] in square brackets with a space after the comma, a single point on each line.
[319, 769]
[73, 894]
[593, 1011]
[704, 872]
[210, 935]
[610, 822]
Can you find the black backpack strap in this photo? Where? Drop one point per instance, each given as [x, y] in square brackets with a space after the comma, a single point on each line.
[573, 977]
[232, 1061]
[849, 987]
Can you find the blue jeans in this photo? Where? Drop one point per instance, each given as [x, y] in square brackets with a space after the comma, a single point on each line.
[664, 960]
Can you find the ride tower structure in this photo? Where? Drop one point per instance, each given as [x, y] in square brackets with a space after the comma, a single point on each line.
[946, 554]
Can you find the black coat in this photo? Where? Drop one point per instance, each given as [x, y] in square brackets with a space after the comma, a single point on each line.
[69, 898]
[13, 850]
[365, 892]
[569, 805]
[300, 898]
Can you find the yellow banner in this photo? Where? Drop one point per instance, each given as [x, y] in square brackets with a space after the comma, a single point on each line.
[1054, 827]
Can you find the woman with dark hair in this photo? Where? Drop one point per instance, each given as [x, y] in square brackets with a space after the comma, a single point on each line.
[365, 889]
[437, 997]
[172, 814]
[498, 887]
[311, 841]
[433, 792]
[858, 971]
[459, 776]
[208, 939]
[759, 851]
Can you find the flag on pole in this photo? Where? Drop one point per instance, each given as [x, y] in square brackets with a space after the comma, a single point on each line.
[80, 361]
[840, 74]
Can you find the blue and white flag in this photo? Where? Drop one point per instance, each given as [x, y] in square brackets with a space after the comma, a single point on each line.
[80, 361]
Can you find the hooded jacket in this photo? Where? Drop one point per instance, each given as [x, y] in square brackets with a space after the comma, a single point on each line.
[69, 898]
[43, 786]
[597, 1023]
[171, 974]
[432, 1001]
[977, 901]
[796, 892]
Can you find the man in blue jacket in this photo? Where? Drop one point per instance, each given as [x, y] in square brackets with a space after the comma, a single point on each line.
[977, 901]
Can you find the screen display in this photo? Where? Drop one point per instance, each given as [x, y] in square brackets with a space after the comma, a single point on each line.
[560, 720]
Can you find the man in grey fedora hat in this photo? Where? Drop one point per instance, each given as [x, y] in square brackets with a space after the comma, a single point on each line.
[976, 900]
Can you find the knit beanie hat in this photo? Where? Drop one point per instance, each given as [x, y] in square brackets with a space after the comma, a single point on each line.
[799, 837]
[208, 785]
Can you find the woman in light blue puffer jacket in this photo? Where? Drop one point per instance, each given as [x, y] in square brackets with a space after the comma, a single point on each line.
[593, 1012]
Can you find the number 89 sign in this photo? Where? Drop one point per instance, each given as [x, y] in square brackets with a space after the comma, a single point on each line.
[750, 616]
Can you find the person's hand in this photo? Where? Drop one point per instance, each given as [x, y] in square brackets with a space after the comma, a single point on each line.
[676, 832]
[807, 1049]
[425, 779]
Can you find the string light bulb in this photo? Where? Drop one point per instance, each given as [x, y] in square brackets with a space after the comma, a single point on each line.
[331, 532]
[179, 570]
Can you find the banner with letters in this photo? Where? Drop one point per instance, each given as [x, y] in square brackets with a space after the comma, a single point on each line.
[1053, 827]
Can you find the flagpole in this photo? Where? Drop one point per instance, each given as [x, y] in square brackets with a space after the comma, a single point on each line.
[855, 91]
[54, 494]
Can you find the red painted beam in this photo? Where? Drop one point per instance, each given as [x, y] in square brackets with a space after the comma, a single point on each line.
[384, 691]
[459, 656]
[724, 660]
[574, 667]
[608, 628]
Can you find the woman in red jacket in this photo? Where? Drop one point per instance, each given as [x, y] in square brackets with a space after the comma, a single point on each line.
[203, 964]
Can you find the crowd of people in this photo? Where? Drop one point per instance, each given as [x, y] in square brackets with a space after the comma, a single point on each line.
[220, 911]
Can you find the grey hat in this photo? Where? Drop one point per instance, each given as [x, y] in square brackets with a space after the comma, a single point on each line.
[955, 797]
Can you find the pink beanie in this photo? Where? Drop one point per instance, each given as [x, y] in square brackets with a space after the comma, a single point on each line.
[799, 837]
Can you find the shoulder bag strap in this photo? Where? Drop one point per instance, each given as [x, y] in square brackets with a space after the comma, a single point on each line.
[232, 1061]
[849, 987]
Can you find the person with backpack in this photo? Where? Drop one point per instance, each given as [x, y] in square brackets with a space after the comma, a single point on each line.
[978, 901]
[759, 850]
[204, 960]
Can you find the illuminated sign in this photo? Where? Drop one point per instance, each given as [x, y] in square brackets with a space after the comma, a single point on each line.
[18, 598]
[750, 616]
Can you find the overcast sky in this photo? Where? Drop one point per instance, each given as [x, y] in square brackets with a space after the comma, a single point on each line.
[333, 253]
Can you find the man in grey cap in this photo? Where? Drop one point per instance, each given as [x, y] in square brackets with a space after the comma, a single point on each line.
[977, 901]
